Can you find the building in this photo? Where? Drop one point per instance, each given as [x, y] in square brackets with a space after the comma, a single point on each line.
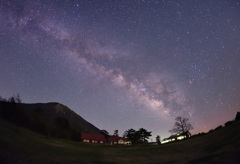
[176, 137]
[114, 140]
[93, 138]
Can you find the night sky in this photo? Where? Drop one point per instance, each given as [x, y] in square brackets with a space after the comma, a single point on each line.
[125, 64]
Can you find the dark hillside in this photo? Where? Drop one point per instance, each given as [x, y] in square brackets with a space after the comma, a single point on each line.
[49, 118]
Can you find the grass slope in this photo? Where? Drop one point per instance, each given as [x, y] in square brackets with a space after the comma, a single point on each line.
[19, 145]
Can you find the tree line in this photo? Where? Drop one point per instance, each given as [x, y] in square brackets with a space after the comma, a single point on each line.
[13, 99]
[136, 136]
[237, 118]
[141, 136]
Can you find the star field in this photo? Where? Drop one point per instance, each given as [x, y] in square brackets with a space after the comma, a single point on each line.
[125, 64]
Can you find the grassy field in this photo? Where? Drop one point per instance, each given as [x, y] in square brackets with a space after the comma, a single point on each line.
[19, 145]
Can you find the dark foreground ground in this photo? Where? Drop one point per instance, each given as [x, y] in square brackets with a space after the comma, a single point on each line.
[19, 145]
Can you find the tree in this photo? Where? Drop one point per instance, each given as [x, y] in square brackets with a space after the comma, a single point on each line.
[129, 134]
[219, 127]
[143, 135]
[104, 132]
[115, 133]
[139, 136]
[229, 123]
[181, 125]
[237, 116]
[132, 135]
[12, 100]
[17, 98]
[158, 140]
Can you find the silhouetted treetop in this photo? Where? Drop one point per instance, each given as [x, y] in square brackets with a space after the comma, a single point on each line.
[13, 99]
[115, 133]
[237, 116]
[181, 125]
[104, 132]
[139, 136]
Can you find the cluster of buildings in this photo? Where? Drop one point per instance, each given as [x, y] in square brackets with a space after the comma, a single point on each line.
[176, 137]
[101, 139]
[115, 140]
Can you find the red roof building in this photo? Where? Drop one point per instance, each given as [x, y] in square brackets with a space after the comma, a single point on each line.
[93, 138]
[114, 140]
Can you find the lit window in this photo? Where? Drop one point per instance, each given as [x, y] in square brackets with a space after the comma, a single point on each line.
[120, 142]
[180, 138]
[164, 141]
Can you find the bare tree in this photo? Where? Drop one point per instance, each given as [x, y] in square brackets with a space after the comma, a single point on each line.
[11, 100]
[181, 125]
[17, 98]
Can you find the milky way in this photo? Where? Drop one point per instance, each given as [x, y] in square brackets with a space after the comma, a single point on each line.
[125, 64]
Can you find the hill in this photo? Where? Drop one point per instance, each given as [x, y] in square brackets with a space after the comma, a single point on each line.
[20, 145]
[49, 118]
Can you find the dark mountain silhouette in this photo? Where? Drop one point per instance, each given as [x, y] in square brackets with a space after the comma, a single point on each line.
[48, 118]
